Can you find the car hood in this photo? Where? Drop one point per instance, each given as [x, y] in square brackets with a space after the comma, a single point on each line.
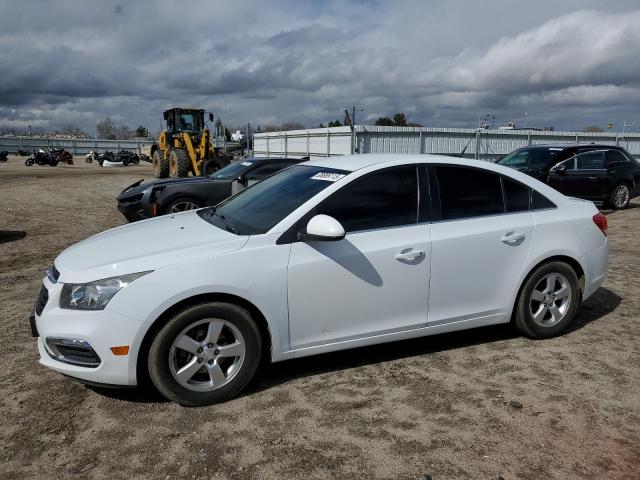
[139, 187]
[145, 245]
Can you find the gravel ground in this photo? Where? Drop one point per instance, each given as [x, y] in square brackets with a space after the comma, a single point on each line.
[438, 405]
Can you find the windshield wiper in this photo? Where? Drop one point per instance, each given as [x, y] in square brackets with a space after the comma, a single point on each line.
[211, 211]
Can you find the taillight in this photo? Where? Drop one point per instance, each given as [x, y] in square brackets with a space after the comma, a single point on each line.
[601, 222]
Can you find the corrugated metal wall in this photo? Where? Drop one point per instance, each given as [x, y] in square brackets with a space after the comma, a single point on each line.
[483, 144]
[80, 146]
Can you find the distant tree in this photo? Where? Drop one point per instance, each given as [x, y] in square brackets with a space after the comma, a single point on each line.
[106, 129]
[292, 126]
[335, 123]
[72, 131]
[142, 132]
[385, 122]
[321, 125]
[270, 128]
[592, 128]
[399, 120]
[413, 124]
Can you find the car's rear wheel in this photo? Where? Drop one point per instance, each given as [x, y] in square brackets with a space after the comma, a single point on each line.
[620, 196]
[182, 205]
[205, 354]
[548, 300]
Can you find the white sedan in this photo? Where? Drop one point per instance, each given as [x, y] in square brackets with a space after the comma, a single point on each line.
[323, 256]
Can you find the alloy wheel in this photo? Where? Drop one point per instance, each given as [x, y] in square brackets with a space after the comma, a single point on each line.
[621, 196]
[550, 300]
[183, 207]
[207, 355]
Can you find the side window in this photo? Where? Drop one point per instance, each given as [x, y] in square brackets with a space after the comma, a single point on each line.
[614, 156]
[266, 170]
[540, 202]
[468, 192]
[590, 160]
[379, 200]
[540, 158]
[516, 195]
[568, 164]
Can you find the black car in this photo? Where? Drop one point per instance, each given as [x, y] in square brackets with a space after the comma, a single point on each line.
[607, 183]
[537, 160]
[606, 175]
[147, 200]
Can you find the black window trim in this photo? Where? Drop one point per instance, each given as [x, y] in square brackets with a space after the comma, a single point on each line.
[436, 208]
[291, 235]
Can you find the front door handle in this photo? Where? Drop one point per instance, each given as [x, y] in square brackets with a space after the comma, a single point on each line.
[412, 255]
[513, 238]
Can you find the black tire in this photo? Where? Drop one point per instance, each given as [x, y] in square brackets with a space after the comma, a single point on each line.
[88, 159]
[179, 163]
[210, 167]
[524, 319]
[135, 159]
[29, 161]
[125, 162]
[159, 354]
[620, 196]
[160, 165]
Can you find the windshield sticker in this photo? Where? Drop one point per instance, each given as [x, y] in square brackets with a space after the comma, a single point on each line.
[246, 164]
[327, 176]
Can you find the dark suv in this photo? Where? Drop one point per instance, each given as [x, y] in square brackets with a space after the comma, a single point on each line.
[602, 173]
[606, 176]
[151, 199]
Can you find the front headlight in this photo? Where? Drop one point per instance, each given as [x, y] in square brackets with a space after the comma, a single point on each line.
[94, 295]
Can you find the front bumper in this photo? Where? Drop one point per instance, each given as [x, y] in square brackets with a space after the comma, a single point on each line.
[94, 330]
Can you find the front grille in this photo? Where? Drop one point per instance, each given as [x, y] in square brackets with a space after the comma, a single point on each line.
[43, 298]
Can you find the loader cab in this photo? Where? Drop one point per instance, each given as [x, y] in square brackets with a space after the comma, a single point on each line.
[184, 120]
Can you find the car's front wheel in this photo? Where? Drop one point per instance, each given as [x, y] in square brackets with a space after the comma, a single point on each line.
[548, 300]
[205, 354]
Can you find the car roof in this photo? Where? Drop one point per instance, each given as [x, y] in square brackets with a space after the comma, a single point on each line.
[566, 146]
[269, 159]
[352, 163]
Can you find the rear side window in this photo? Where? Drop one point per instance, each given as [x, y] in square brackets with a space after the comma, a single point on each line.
[379, 200]
[516, 159]
[516, 195]
[540, 202]
[468, 192]
[617, 157]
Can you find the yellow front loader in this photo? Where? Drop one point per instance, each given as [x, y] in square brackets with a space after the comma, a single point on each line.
[185, 146]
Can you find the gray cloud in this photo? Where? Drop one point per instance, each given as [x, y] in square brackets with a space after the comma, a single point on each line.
[442, 63]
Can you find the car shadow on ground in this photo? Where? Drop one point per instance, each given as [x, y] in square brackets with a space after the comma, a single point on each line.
[600, 304]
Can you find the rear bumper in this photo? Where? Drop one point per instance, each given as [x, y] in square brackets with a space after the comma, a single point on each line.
[596, 263]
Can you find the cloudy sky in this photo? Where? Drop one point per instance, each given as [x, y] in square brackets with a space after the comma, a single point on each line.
[567, 63]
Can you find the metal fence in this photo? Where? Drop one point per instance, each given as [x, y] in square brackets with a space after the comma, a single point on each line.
[472, 143]
[77, 146]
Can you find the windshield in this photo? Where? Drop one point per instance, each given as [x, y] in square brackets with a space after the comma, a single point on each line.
[232, 171]
[189, 122]
[531, 157]
[260, 207]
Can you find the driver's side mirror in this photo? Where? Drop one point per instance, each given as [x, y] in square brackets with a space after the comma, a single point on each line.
[323, 228]
[211, 117]
[560, 169]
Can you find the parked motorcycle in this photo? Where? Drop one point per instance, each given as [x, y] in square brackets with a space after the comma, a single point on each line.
[106, 156]
[3, 155]
[127, 158]
[41, 158]
[62, 155]
[91, 157]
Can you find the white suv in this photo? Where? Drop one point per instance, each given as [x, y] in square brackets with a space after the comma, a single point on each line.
[322, 256]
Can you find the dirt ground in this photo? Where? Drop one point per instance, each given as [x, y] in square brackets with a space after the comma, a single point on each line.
[437, 405]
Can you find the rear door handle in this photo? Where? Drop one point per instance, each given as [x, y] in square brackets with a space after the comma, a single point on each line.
[512, 237]
[412, 255]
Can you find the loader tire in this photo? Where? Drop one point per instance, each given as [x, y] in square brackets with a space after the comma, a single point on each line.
[179, 163]
[160, 165]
